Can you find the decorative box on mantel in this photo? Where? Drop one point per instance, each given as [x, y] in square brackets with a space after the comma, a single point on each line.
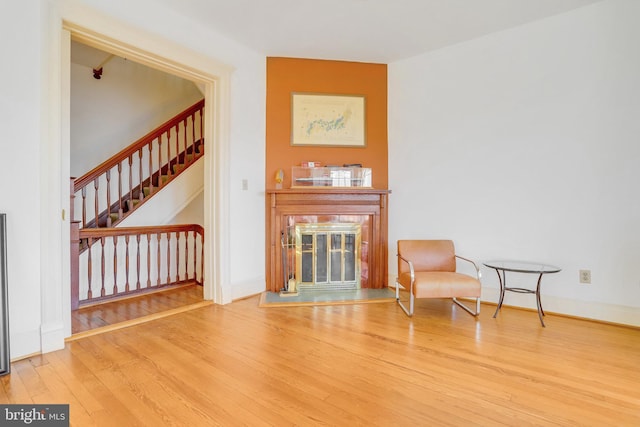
[330, 177]
[288, 211]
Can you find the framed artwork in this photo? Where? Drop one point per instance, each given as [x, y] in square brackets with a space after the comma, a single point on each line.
[328, 120]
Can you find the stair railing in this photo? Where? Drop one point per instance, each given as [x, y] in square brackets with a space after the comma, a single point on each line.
[131, 260]
[141, 169]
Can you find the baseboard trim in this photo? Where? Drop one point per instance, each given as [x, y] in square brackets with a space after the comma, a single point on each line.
[246, 289]
[51, 337]
[25, 344]
[611, 314]
[587, 310]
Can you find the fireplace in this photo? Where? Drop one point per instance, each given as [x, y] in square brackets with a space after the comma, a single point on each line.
[327, 256]
[326, 239]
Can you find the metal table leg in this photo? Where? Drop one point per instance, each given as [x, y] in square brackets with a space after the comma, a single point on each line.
[521, 267]
[538, 301]
[503, 284]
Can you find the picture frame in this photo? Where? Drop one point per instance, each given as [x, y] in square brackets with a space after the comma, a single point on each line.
[328, 120]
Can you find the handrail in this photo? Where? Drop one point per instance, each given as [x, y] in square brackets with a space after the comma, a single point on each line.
[133, 260]
[111, 191]
[117, 158]
[132, 231]
[143, 168]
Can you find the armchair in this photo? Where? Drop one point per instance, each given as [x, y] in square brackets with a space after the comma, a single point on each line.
[427, 269]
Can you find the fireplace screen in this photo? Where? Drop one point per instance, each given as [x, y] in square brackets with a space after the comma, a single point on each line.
[327, 256]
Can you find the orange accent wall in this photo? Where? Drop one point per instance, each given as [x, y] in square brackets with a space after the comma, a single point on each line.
[287, 75]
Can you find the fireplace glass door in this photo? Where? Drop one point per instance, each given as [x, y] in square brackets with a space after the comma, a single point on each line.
[328, 256]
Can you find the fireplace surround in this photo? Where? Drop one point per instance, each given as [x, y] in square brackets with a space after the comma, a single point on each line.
[324, 208]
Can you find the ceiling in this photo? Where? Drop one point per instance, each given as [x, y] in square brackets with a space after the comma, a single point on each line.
[380, 31]
[82, 54]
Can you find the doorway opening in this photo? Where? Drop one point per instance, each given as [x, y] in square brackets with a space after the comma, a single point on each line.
[214, 87]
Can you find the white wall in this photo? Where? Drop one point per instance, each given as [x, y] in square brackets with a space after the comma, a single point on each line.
[128, 101]
[192, 213]
[21, 102]
[524, 145]
[33, 199]
[247, 217]
[170, 201]
[246, 127]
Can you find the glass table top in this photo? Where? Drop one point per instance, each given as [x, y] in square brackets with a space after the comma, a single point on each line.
[522, 266]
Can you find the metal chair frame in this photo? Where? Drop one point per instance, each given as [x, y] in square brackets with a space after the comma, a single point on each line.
[409, 311]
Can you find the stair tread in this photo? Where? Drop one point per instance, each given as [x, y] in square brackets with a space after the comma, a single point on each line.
[176, 165]
[149, 190]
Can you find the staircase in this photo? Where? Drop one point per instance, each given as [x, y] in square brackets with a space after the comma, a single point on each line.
[142, 169]
[111, 192]
[122, 208]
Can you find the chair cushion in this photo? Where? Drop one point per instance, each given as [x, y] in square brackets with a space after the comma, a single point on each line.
[441, 284]
[427, 255]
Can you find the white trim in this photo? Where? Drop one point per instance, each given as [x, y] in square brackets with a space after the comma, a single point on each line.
[52, 287]
[108, 44]
[593, 310]
[155, 52]
[247, 288]
[22, 343]
[216, 254]
[65, 173]
[52, 337]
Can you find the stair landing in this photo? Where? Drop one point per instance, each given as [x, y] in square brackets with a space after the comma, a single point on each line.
[125, 310]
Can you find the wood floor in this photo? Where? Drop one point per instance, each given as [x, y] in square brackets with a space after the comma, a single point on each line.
[348, 365]
[111, 313]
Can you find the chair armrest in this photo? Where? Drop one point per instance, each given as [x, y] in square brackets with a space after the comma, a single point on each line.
[411, 271]
[478, 274]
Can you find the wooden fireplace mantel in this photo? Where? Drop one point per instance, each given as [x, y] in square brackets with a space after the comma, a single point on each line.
[298, 202]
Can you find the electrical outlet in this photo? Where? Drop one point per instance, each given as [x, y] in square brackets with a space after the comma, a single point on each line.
[245, 184]
[585, 276]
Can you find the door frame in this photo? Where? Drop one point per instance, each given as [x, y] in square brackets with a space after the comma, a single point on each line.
[157, 53]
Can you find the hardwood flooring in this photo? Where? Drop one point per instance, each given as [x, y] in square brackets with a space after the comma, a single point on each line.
[365, 364]
[108, 314]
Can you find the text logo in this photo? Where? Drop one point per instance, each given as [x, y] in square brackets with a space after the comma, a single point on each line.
[34, 415]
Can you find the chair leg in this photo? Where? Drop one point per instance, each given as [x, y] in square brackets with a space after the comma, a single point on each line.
[408, 312]
[467, 309]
